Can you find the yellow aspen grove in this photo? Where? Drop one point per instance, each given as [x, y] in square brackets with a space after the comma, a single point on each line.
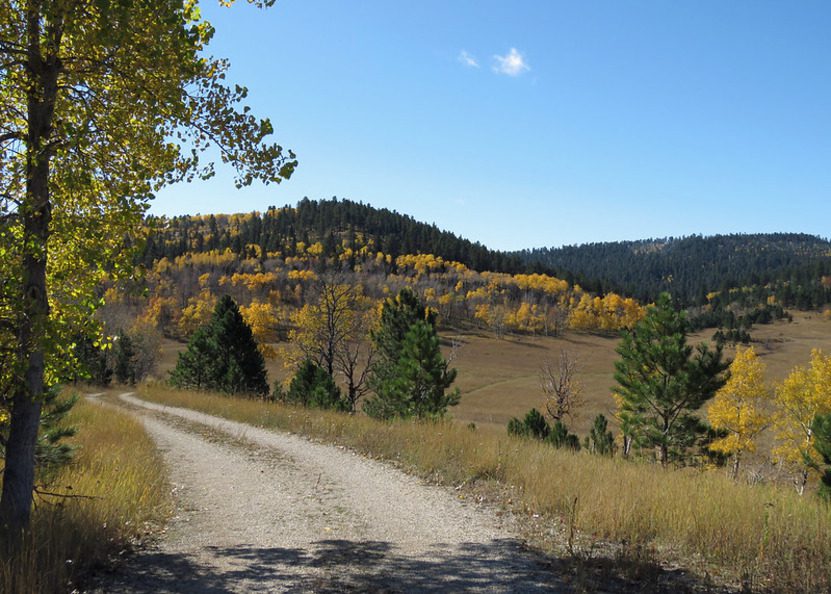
[739, 408]
[803, 395]
[263, 319]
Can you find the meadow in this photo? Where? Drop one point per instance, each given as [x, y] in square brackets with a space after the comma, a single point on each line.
[499, 377]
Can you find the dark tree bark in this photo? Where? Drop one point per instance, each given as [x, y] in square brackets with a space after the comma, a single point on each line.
[19, 472]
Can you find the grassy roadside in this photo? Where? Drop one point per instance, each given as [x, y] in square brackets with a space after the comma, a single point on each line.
[117, 490]
[764, 537]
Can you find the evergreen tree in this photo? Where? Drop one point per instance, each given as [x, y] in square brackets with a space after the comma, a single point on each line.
[409, 375]
[559, 437]
[821, 428]
[223, 356]
[313, 387]
[600, 440]
[662, 381]
[124, 354]
[51, 451]
[92, 359]
[533, 425]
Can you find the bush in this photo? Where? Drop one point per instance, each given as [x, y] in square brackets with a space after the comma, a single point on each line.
[312, 387]
[535, 426]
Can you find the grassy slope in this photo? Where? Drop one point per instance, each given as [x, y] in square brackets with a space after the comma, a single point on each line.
[118, 490]
[499, 378]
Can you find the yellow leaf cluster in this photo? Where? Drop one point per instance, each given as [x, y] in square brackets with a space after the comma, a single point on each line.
[804, 394]
[739, 406]
[262, 318]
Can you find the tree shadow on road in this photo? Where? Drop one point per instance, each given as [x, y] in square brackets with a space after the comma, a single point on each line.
[345, 566]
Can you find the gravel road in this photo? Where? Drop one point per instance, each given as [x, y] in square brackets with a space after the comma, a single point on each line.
[262, 511]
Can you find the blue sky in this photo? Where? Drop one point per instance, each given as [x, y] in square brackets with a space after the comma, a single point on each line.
[578, 121]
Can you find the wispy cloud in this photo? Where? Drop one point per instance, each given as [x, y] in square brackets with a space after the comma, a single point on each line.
[511, 64]
[468, 60]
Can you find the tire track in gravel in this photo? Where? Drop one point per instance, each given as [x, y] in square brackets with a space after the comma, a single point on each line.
[262, 511]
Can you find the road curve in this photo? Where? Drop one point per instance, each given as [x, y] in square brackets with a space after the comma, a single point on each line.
[263, 511]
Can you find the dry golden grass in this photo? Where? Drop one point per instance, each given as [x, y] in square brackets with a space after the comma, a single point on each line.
[119, 490]
[765, 535]
[499, 378]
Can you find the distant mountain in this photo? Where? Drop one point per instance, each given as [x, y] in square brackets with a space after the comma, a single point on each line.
[790, 265]
[333, 223]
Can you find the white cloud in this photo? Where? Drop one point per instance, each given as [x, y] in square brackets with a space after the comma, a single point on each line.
[511, 64]
[468, 60]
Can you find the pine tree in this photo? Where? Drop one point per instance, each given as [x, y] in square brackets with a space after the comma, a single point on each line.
[822, 444]
[313, 387]
[125, 355]
[422, 374]
[532, 425]
[662, 381]
[409, 374]
[223, 356]
[600, 440]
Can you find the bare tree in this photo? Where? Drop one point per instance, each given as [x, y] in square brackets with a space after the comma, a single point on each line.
[562, 390]
[334, 333]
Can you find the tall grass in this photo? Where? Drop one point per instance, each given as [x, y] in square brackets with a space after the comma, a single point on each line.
[113, 492]
[764, 535]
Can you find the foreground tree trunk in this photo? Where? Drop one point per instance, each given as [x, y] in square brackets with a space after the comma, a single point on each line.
[35, 211]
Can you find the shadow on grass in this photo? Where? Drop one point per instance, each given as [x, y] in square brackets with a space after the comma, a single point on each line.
[335, 566]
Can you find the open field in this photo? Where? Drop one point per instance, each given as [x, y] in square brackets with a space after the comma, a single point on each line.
[499, 378]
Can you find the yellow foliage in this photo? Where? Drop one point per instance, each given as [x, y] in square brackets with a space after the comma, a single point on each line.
[739, 406]
[262, 318]
[197, 312]
[804, 394]
[159, 312]
[254, 281]
[302, 275]
[316, 249]
[112, 295]
[541, 282]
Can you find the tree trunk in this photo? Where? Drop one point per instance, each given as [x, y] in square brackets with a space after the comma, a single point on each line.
[663, 454]
[734, 471]
[35, 211]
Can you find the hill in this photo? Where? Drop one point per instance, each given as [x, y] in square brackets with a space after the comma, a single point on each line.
[746, 270]
[795, 269]
[333, 224]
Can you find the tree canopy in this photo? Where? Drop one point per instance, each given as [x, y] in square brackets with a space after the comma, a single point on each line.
[97, 100]
[223, 356]
[662, 381]
[409, 375]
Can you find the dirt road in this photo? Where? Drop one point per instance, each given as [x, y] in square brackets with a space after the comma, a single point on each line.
[261, 511]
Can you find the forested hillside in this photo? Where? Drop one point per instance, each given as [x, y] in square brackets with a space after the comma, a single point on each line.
[331, 223]
[794, 269]
[728, 281]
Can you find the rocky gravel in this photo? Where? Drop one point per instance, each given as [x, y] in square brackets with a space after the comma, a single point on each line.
[263, 511]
